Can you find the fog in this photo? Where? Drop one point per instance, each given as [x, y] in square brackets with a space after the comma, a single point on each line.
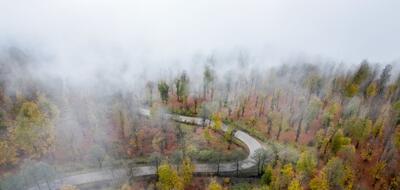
[90, 66]
[78, 39]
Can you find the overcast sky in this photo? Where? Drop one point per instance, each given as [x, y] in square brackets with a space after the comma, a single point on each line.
[345, 30]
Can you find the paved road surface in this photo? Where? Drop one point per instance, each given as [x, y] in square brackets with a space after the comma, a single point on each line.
[108, 174]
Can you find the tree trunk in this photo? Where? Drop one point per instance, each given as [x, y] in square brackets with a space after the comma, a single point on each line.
[299, 128]
[269, 123]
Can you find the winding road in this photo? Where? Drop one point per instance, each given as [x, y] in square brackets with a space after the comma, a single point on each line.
[111, 174]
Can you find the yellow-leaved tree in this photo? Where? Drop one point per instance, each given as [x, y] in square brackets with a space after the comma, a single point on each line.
[168, 178]
[295, 185]
[34, 132]
[319, 182]
[187, 170]
[8, 153]
[214, 185]
[217, 122]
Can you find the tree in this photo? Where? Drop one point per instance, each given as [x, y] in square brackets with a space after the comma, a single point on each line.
[306, 164]
[260, 157]
[155, 158]
[216, 158]
[357, 83]
[319, 182]
[187, 170]
[266, 178]
[295, 185]
[372, 90]
[205, 114]
[208, 78]
[384, 78]
[339, 141]
[177, 158]
[359, 129]
[163, 89]
[351, 90]
[312, 111]
[287, 175]
[150, 87]
[377, 172]
[214, 185]
[228, 137]
[313, 83]
[159, 142]
[182, 87]
[34, 132]
[207, 135]
[168, 178]
[8, 152]
[217, 122]
[335, 173]
[48, 109]
[98, 154]
[180, 136]
[348, 178]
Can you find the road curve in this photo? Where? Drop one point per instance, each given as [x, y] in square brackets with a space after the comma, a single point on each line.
[110, 174]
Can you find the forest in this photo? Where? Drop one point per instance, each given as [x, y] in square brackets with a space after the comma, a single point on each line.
[199, 95]
[298, 125]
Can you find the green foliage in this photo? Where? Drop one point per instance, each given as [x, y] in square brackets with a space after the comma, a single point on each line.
[339, 141]
[335, 172]
[241, 186]
[306, 164]
[377, 130]
[182, 87]
[362, 73]
[384, 78]
[396, 109]
[34, 132]
[208, 79]
[228, 136]
[396, 139]
[163, 89]
[359, 129]
[313, 109]
[204, 155]
[207, 136]
[266, 178]
[47, 108]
